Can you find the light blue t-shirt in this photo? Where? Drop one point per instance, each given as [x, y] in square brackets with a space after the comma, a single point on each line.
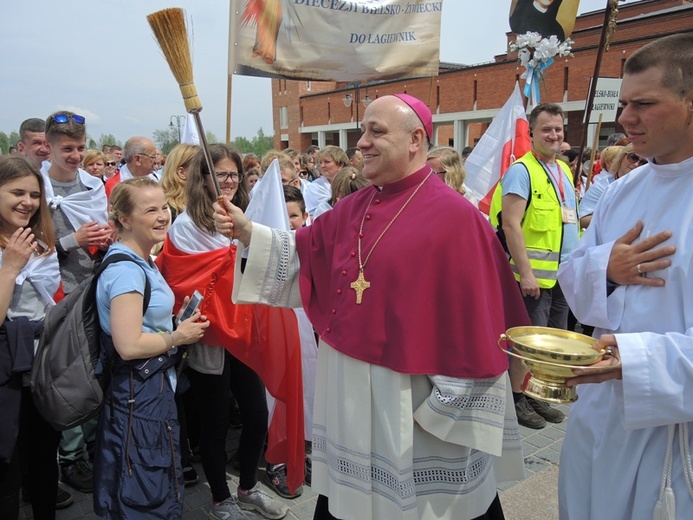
[591, 197]
[125, 277]
[516, 181]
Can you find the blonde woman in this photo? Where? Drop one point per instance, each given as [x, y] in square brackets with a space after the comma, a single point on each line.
[94, 163]
[446, 163]
[617, 162]
[174, 176]
[137, 464]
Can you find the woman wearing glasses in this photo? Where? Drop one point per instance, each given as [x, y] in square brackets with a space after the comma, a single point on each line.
[195, 256]
[110, 166]
[617, 162]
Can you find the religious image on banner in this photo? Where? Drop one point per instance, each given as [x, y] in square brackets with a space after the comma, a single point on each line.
[546, 17]
[335, 40]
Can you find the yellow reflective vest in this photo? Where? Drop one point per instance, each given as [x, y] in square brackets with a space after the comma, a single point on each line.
[542, 223]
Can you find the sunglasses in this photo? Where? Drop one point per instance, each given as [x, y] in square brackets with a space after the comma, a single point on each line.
[61, 119]
[635, 158]
[110, 163]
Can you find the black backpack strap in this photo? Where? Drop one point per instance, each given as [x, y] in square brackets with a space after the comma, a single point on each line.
[122, 257]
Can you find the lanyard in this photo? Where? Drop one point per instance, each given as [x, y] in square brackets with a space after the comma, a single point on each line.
[558, 179]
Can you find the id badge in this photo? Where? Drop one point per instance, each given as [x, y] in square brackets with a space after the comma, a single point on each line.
[569, 215]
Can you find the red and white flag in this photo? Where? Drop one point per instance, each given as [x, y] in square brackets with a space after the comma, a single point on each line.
[506, 139]
[266, 339]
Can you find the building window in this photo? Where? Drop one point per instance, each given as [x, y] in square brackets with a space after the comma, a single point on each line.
[308, 86]
[283, 117]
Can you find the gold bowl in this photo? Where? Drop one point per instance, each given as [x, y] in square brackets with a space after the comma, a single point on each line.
[551, 355]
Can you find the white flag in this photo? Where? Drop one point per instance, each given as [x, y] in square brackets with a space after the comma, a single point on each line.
[190, 134]
[506, 139]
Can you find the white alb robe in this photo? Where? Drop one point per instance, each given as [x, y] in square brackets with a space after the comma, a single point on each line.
[388, 445]
[617, 436]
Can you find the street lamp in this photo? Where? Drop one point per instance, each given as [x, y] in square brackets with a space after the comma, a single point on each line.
[348, 99]
[177, 119]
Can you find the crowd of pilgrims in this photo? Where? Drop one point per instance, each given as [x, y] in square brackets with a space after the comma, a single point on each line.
[63, 208]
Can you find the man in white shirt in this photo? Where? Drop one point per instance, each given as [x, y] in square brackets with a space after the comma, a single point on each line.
[626, 450]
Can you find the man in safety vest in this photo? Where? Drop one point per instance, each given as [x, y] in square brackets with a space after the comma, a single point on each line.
[538, 216]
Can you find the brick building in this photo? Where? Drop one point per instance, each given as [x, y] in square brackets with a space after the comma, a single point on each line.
[464, 98]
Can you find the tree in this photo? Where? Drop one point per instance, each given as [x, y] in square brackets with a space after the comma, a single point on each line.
[166, 139]
[259, 145]
[14, 138]
[4, 143]
[211, 138]
[107, 139]
[91, 144]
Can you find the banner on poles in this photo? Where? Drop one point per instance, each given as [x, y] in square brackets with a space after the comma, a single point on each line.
[335, 40]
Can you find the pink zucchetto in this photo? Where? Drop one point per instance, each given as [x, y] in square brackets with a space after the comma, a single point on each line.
[421, 110]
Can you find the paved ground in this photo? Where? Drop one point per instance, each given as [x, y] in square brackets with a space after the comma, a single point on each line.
[535, 498]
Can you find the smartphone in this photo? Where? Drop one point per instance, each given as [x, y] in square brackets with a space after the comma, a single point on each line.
[191, 307]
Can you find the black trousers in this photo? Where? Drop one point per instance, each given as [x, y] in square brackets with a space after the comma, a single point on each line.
[38, 444]
[211, 395]
[494, 512]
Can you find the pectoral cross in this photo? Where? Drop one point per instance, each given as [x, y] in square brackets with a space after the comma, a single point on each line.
[360, 285]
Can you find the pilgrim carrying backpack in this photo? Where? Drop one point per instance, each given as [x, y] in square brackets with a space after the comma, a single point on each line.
[66, 388]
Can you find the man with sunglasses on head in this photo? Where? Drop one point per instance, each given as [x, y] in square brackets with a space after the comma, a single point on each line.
[626, 452]
[78, 210]
[140, 161]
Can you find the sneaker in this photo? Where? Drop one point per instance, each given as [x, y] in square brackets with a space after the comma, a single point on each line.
[190, 476]
[257, 500]
[526, 415]
[227, 510]
[63, 499]
[550, 414]
[276, 479]
[78, 475]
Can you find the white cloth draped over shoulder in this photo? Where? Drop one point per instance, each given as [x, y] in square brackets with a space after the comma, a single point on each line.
[83, 207]
[44, 274]
[620, 431]
[187, 237]
[320, 190]
[386, 444]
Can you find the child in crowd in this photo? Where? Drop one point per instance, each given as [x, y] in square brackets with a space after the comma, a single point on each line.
[276, 473]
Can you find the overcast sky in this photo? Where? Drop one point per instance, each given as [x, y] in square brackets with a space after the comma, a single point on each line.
[99, 59]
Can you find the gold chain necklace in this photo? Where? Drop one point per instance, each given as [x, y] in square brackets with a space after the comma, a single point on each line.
[361, 284]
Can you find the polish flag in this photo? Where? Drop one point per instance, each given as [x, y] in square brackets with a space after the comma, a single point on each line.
[265, 339]
[268, 207]
[505, 140]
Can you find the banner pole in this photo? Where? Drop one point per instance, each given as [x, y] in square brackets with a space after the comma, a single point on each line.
[229, 81]
[608, 28]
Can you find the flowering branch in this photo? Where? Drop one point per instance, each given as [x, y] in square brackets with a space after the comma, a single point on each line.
[536, 54]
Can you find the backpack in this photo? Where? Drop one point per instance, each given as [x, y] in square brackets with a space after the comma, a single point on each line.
[66, 389]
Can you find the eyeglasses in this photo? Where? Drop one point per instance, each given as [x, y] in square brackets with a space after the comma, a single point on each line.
[152, 156]
[64, 118]
[110, 163]
[635, 158]
[224, 176]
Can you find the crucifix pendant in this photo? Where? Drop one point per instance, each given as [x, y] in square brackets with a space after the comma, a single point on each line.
[360, 285]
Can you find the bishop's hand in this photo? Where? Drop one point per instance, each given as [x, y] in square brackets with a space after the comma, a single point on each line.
[230, 221]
